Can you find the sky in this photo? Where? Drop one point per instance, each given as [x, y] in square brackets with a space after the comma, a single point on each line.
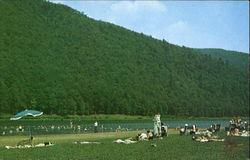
[196, 24]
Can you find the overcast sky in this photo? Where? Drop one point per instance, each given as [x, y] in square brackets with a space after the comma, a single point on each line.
[197, 24]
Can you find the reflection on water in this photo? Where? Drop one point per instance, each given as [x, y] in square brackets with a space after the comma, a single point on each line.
[24, 127]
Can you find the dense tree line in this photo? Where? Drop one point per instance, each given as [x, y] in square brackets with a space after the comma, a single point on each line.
[237, 59]
[58, 60]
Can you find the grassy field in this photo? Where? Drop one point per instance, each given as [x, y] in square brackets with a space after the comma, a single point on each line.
[172, 147]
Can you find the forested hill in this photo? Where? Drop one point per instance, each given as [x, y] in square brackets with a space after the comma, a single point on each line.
[58, 60]
[237, 59]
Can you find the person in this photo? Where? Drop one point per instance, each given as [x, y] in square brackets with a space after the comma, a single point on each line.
[141, 136]
[186, 128]
[200, 139]
[207, 137]
[208, 134]
[20, 128]
[236, 132]
[118, 129]
[78, 128]
[217, 128]
[182, 131]
[246, 125]
[164, 130]
[157, 125]
[71, 124]
[150, 135]
[95, 127]
[193, 130]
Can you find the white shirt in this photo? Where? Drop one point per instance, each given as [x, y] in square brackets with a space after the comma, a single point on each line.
[143, 136]
[157, 119]
[95, 124]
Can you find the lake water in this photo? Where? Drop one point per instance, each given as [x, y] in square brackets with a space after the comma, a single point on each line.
[8, 127]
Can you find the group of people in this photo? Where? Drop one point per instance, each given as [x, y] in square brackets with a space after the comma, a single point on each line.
[207, 137]
[191, 129]
[238, 123]
[237, 127]
[145, 136]
[85, 129]
[214, 128]
[159, 130]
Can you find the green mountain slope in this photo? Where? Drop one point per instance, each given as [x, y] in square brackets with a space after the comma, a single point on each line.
[57, 60]
[237, 59]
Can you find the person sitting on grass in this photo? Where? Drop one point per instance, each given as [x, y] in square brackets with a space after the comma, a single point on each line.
[208, 134]
[193, 130]
[235, 132]
[150, 135]
[182, 131]
[141, 137]
[164, 130]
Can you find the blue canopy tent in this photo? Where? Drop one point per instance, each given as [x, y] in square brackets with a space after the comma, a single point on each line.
[26, 113]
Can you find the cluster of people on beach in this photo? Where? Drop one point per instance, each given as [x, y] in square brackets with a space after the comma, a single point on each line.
[237, 127]
[159, 130]
[188, 129]
[201, 136]
[144, 136]
[238, 123]
[207, 137]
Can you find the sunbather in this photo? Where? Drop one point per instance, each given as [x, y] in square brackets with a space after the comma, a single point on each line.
[126, 141]
[207, 138]
[141, 136]
[150, 135]
[45, 144]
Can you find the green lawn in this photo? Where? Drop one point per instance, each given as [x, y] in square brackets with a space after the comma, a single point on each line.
[172, 147]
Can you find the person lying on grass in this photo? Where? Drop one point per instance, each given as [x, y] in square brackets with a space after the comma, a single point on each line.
[126, 141]
[144, 136]
[141, 137]
[44, 144]
[207, 137]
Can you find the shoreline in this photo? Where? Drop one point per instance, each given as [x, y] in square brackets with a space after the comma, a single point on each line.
[117, 117]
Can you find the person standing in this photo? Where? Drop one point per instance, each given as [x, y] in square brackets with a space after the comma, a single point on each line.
[71, 124]
[95, 127]
[157, 125]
